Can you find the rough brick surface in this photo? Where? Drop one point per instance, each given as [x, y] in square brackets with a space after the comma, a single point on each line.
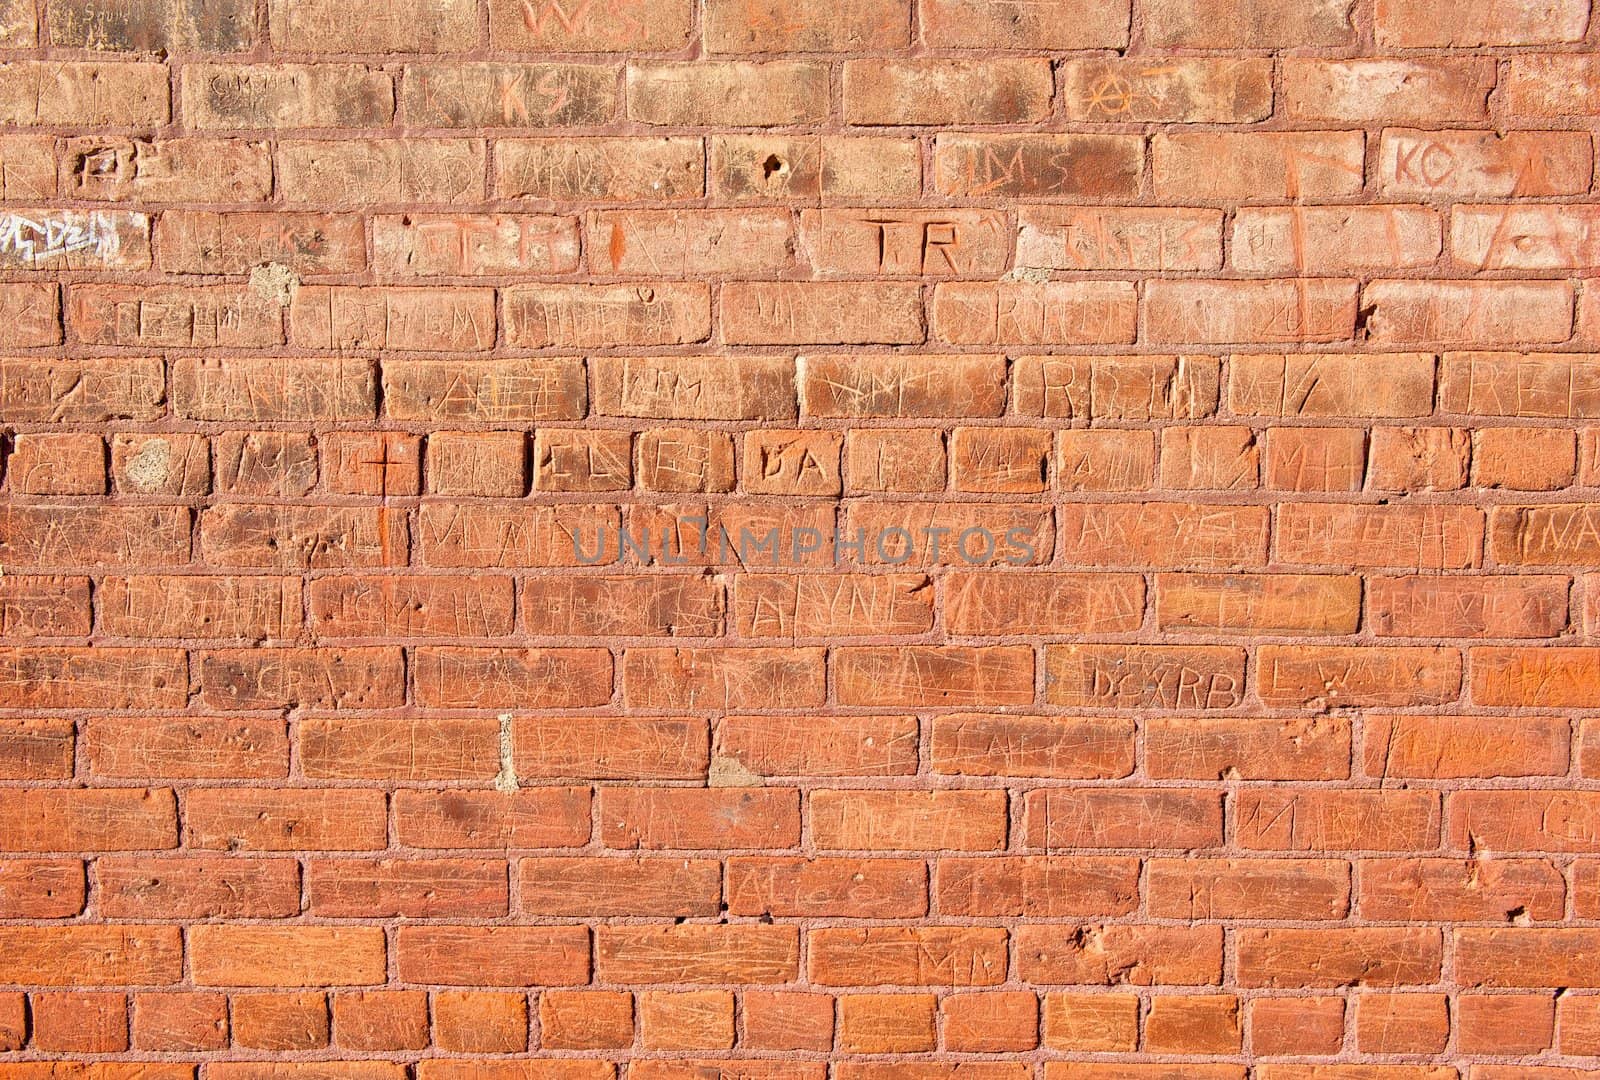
[786, 540]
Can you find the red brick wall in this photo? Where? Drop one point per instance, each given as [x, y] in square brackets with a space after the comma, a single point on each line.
[1236, 354]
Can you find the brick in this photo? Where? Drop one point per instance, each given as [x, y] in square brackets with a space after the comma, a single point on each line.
[1091, 1022]
[1297, 1025]
[1511, 676]
[693, 678]
[450, 677]
[585, 1020]
[1123, 388]
[1311, 676]
[1450, 747]
[977, 745]
[241, 96]
[41, 889]
[486, 463]
[753, 168]
[1287, 820]
[1177, 535]
[1259, 603]
[879, 243]
[1505, 1023]
[45, 239]
[1036, 886]
[1186, 90]
[902, 386]
[1407, 24]
[83, 955]
[783, 1020]
[1215, 312]
[907, 956]
[493, 955]
[1248, 889]
[1531, 606]
[1007, 166]
[887, 1023]
[57, 464]
[380, 1020]
[83, 94]
[1365, 956]
[1256, 165]
[946, 91]
[78, 1022]
[480, 1022]
[830, 746]
[821, 313]
[284, 819]
[784, 886]
[265, 678]
[922, 675]
[583, 316]
[1518, 956]
[1464, 890]
[183, 1021]
[1238, 24]
[583, 885]
[990, 1022]
[532, 818]
[382, 749]
[368, 172]
[1524, 459]
[771, 27]
[292, 1021]
[1331, 385]
[480, 95]
[1462, 312]
[1194, 1024]
[792, 463]
[1144, 677]
[321, 26]
[1118, 238]
[692, 818]
[1316, 459]
[727, 93]
[1334, 240]
[1022, 313]
[683, 460]
[1522, 820]
[491, 391]
[1124, 817]
[111, 169]
[209, 607]
[62, 536]
[1218, 458]
[890, 821]
[204, 242]
[222, 955]
[1116, 955]
[196, 886]
[1423, 458]
[490, 535]
[340, 317]
[749, 953]
[175, 465]
[1482, 163]
[1398, 537]
[1550, 84]
[1523, 238]
[187, 748]
[1389, 91]
[36, 749]
[1402, 1023]
[105, 678]
[1224, 748]
[610, 169]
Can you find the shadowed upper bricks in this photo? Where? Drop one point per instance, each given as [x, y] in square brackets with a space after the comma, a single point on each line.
[336, 340]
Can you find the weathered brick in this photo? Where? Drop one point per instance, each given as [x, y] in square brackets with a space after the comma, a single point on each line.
[1037, 166]
[368, 172]
[241, 96]
[324, 26]
[1189, 90]
[995, 91]
[728, 93]
[610, 169]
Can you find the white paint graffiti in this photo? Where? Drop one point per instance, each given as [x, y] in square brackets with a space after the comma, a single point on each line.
[33, 240]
